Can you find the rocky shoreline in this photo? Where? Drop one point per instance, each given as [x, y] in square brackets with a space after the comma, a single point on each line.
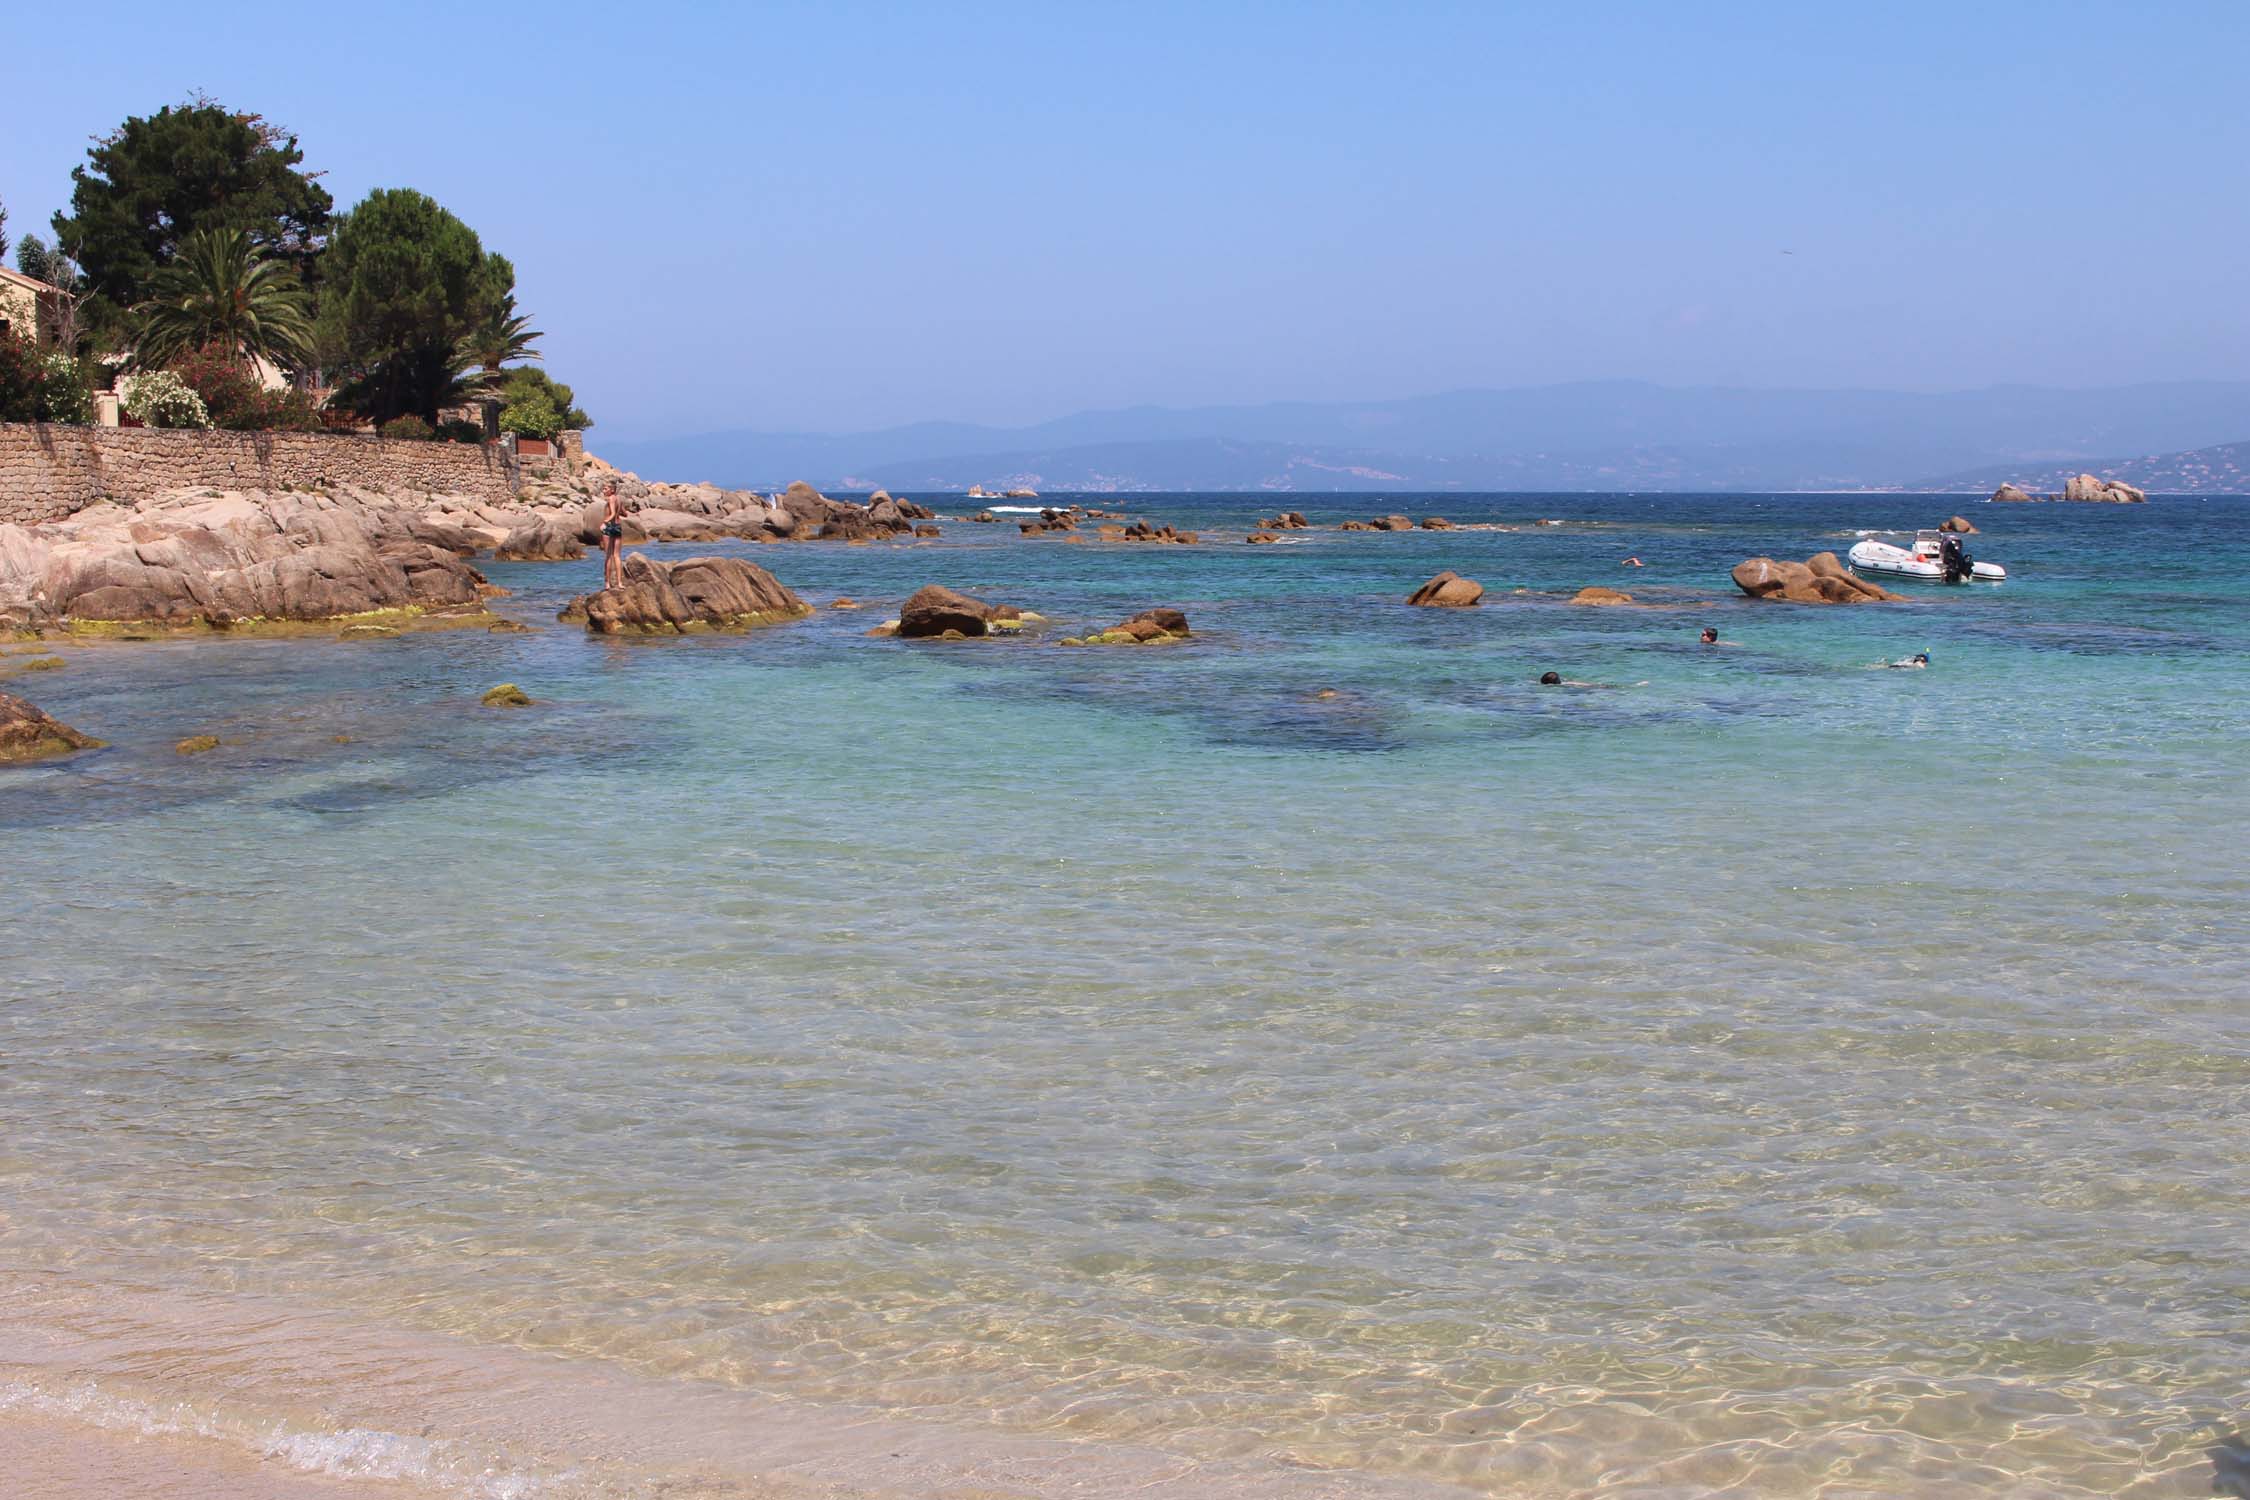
[350, 563]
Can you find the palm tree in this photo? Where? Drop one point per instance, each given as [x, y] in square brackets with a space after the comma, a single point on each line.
[219, 291]
[505, 334]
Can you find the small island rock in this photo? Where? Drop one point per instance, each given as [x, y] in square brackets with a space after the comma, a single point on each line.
[695, 593]
[935, 609]
[2109, 491]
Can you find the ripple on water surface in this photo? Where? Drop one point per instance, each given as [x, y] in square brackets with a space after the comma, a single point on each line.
[1314, 1045]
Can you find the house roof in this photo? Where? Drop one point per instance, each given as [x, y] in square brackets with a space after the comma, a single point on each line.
[33, 282]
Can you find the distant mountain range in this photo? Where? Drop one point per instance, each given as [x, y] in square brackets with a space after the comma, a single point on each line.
[1604, 435]
[2220, 470]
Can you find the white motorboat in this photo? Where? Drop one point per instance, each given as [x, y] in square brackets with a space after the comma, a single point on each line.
[1936, 557]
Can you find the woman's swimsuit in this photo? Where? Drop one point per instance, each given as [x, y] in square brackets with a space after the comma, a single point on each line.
[612, 529]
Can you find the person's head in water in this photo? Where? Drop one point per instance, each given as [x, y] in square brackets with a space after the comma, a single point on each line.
[1710, 636]
[1921, 658]
[1550, 679]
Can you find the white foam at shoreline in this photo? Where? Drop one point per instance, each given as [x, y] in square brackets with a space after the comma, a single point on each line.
[343, 1453]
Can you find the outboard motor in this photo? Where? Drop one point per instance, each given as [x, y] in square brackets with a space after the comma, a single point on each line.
[1954, 558]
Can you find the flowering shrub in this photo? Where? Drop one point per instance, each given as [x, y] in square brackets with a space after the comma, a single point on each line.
[64, 393]
[409, 427]
[235, 398]
[41, 387]
[161, 399]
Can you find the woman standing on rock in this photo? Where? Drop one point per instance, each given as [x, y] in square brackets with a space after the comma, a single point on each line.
[613, 537]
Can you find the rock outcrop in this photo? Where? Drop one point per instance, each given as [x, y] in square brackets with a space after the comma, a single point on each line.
[225, 559]
[1447, 591]
[1436, 523]
[2102, 491]
[506, 695]
[2009, 494]
[695, 593]
[935, 610]
[1957, 524]
[27, 733]
[1288, 520]
[540, 539]
[1390, 523]
[1820, 579]
[1260, 537]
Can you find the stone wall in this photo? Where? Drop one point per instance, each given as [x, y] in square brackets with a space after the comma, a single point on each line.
[48, 471]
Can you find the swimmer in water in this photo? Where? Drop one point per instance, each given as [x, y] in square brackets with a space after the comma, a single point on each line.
[1632, 562]
[1710, 636]
[1914, 663]
[1550, 679]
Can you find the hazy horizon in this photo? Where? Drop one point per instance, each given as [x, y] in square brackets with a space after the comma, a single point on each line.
[853, 218]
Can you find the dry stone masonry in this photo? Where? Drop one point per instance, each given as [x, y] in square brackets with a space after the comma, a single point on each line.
[49, 471]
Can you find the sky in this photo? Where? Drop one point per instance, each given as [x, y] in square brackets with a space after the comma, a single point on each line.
[842, 216]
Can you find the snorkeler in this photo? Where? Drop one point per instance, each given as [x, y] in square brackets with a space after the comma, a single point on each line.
[1914, 663]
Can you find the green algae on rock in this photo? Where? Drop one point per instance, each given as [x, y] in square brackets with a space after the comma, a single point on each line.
[27, 734]
[506, 695]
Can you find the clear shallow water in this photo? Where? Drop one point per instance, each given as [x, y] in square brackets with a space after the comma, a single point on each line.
[1761, 1076]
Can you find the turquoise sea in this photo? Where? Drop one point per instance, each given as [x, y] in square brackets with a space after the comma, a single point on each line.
[1754, 1074]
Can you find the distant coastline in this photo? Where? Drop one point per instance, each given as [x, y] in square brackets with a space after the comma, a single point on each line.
[1597, 437]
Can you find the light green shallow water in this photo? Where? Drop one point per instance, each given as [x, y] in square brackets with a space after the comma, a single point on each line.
[1763, 1076]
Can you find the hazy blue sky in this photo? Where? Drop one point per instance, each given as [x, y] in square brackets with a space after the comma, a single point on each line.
[800, 216]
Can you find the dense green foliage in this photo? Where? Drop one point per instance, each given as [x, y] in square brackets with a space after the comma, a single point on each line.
[158, 179]
[532, 417]
[4, 232]
[460, 430]
[36, 260]
[220, 292]
[522, 383]
[410, 427]
[195, 241]
[406, 286]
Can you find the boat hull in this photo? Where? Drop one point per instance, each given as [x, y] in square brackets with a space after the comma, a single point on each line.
[1897, 562]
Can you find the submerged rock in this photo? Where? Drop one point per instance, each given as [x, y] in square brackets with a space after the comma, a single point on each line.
[196, 744]
[1447, 591]
[1600, 595]
[28, 734]
[695, 593]
[1150, 627]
